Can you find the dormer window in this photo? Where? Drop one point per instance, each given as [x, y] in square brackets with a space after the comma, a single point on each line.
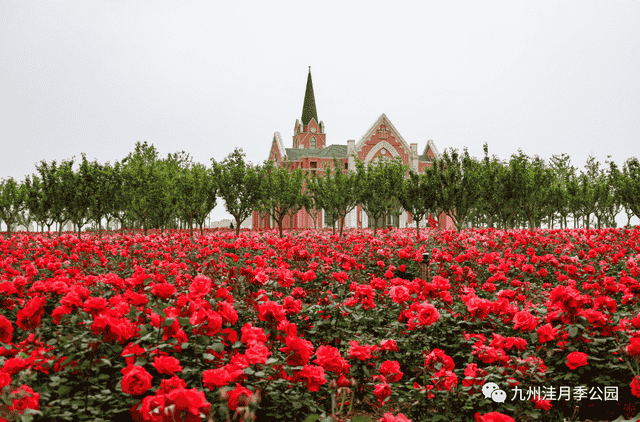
[312, 144]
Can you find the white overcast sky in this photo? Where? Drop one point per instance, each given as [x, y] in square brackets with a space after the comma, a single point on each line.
[205, 77]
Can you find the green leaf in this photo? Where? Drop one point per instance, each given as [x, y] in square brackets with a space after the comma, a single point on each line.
[249, 371]
[168, 322]
[573, 331]
[208, 356]
[63, 390]
[218, 347]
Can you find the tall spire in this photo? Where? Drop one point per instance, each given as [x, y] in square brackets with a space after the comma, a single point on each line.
[309, 106]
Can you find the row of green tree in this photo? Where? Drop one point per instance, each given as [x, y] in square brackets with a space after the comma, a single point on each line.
[146, 191]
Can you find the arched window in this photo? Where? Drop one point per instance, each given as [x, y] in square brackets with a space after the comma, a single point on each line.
[312, 144]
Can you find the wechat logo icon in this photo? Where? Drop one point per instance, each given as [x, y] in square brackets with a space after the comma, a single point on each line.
[491, 390]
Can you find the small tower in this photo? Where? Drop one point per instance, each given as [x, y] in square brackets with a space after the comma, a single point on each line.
[308, 133]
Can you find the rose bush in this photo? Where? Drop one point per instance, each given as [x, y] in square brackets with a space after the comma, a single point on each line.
[161, 328]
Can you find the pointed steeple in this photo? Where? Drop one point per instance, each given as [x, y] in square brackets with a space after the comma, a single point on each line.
[309, 106]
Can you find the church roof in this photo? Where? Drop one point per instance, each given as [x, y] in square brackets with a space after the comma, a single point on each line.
[309, 106]
[338, 151]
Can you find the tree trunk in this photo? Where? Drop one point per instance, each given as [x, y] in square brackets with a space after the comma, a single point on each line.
[417, 231]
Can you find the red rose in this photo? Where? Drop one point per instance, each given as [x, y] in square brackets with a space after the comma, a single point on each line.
[30, 399]
[388, 417]
[15, 365]
[214, 378]
[6, 330]
[252, 335]
[576, 359]
[635, 386]
[314, 375]
[547, 333]
[271, 311]
[440, 356]
[136, 380]
[235, 397]
[200, 286]
[633, 349]
[28, 317]
[330, 359]
[5, 379]
[360, 352]
[134, 350]
[382, 391]
[258, 353]
[167, 365]
[391, 370]
[163, 290]
[192, 401]
[166, 386]
[388, 346]
[427, 314]
[298, 351]
[95, 305]
[542, 404]
[493, 417]
[524, 321]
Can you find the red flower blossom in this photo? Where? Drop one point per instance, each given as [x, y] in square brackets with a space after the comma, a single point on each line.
[438, 356]
[314, 376]
[200, 286]
[547, 333]
[167, 365]
[635, 386]
[136, 380]
[633, 348]
[391, 370]
[382, 391]
[192, 401]
[214, 378]
[163, 290]
[28, 318]
[6, 330]
[576, 359]
[235, 397]
[524, 321]
[427, 314]
[330, 359]
[493, 417]
[360, 352]
[388, 417]
[30, 399]
[388, 346]
[257, 353]
[298, 351]
[271, 311]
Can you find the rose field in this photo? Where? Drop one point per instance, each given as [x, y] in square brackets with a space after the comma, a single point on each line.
[515, 325]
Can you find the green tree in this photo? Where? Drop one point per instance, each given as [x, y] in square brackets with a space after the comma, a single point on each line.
[457, 177]
[12, 202]
[78, 190]
[196, 193]
[380, 185]
[337, 191]
[418, 196]
[142, 183]
[627, 185]
[53, 192]
[37, 203]
[239, 185]
[283, 193]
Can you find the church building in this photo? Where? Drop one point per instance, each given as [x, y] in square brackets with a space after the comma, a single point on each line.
[310, 152]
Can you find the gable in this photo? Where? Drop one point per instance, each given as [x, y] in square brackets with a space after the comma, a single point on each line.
[383, 138]
[277, 152]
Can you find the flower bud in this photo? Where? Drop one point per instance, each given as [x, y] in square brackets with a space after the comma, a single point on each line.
[354, 383]
[333, 385]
